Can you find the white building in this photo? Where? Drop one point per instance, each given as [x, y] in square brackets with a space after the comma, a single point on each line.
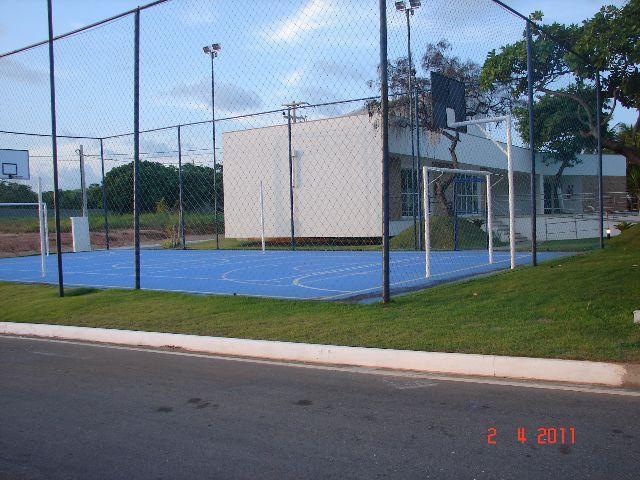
[337, 187]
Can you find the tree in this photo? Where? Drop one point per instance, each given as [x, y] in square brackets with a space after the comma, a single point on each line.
[11, 192]
[157, 182]
[158, 186]
[437, 57]
[558, 128]
[608, 42]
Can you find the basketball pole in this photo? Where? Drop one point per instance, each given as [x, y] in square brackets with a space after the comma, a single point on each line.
[532, 148]
[481, 121]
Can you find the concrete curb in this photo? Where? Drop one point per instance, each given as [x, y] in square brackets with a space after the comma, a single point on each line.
[571, 371]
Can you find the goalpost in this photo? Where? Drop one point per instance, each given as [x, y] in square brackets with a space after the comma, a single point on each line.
[43, 228]
[427, 207]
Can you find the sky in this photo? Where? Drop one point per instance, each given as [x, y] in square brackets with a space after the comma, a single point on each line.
[273, 52]
[25, 22]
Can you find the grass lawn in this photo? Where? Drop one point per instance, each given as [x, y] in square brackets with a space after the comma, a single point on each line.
[470, 236]
[579, 307]
[578, 245]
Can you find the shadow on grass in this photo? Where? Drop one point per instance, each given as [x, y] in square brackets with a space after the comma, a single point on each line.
[78, 292]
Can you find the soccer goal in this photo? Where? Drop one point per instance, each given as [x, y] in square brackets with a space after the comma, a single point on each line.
[457, 211]
[19, 214]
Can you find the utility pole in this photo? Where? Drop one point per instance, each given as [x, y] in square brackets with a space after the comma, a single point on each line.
[292, 108]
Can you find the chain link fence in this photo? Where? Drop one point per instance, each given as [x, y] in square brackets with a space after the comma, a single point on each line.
[257, 163]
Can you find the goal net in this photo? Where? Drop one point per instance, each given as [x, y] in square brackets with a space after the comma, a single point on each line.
[458, 214]
[25, 230]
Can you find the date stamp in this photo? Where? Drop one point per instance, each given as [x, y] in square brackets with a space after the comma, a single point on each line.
[539, 436]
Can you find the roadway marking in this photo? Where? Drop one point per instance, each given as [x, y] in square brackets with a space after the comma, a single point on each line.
[360, 370]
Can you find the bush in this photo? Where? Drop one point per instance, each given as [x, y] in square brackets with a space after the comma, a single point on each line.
[622, 226]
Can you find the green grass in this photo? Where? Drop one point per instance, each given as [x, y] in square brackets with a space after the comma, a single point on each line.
[470, 236]
[579, 307]
[578, 245]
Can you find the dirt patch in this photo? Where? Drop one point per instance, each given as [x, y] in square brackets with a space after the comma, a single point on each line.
[21, 244]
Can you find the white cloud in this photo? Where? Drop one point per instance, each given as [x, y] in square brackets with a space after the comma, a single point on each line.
[293, 78]
[312, 16]
[195, 16]
[231, 99]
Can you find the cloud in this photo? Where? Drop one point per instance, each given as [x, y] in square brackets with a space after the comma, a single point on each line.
[14, 71]
[293, 78]
[312, 16]
[339, 70]
[230, 98]
[196, 16]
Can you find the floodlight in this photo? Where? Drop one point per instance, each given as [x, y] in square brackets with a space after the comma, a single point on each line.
[401, 6]
[212, 49]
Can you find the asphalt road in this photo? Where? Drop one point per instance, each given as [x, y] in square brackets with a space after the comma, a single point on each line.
[80, 411]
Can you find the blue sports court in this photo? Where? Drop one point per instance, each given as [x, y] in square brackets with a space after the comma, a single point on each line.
[308, 275]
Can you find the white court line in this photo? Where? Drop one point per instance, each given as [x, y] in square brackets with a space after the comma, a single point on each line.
[420, 277]
[357, 370]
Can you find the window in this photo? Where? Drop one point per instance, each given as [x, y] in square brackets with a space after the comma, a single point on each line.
[468, 194]
[409, 192]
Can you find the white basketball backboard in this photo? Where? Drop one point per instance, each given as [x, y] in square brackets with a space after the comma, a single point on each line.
[14, 164]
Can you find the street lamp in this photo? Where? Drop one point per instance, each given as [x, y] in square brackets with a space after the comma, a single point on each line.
[401, 6]
[213, 50]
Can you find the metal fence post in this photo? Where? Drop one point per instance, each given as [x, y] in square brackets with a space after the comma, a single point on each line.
[384, 108]
[54, 147]
[532, 148]
[414, 166]
[83, 183]
[180, 194]
[215, 156]
[293, 229]
[419, 170]
[104, 197]
[136, 148]
[599, 138]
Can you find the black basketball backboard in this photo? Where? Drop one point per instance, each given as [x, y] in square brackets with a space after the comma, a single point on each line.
[447, 93]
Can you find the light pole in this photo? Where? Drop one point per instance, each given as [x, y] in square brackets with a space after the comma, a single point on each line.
[401, 6]
[213, 50]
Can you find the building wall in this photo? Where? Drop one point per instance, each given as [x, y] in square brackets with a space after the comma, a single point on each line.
[395, 187]
[613, 188]
[337, 176]
[337, 172]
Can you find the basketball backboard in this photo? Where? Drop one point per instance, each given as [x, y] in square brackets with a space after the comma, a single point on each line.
[447, 93]
[14, 164]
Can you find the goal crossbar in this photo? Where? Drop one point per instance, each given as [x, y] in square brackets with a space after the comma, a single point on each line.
[427, 208]
[43, 229]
